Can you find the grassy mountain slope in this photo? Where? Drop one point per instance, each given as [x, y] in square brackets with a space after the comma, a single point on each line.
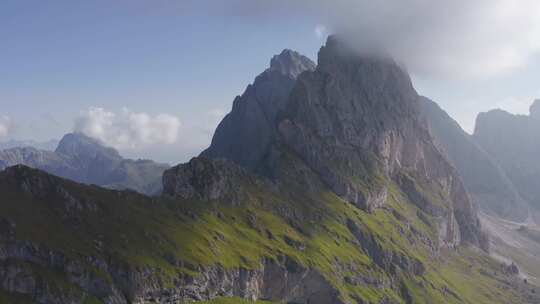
[366, 258]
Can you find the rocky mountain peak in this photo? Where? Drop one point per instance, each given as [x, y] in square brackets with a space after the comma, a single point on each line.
[340, 56]
[291, 63]
[354, 121]
[355, 100]
[535, 109]
[245, 134]
[81, 146]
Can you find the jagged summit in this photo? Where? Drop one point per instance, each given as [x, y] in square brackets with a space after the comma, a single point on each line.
[355, 122]
[535, 109]
[245, 134]
[291, 63]
[82, 146]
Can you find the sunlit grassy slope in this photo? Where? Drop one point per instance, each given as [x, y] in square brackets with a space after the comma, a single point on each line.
[316, 230]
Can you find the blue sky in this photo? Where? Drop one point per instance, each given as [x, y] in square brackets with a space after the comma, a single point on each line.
[185, 59]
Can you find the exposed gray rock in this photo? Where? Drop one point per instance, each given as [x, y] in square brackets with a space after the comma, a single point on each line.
[355, 119]
[283, 280]
[291, 64]
[484, 179]
[207, 179]
[20, 263]
[245, 134]
[386, 259]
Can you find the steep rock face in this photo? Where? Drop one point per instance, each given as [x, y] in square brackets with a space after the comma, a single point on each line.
[356, 120]
[279, 281]
[245, 134]
[85, 160]
[485, 180]
[283, 280]
[514, 142]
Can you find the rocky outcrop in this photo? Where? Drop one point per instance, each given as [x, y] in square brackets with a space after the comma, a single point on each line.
[276, 280]
[282, 281]
[388, 260]
[245, 134]
[207, 179]
[83, 159]
[486, 182]
[513, 141]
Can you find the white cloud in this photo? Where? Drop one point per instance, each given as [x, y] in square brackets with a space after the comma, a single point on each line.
[458, 38]
[5, 126]
[127, 129]
[321, 31]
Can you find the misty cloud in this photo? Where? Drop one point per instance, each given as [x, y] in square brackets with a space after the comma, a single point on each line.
[459, 38]
[321, 31]
[127, 129]
[5, 126]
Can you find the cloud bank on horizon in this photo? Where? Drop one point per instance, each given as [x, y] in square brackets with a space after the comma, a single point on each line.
[128, 130]
[458, 39]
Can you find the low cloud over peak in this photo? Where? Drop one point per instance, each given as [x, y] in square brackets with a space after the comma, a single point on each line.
[458, 38]
[127, 129]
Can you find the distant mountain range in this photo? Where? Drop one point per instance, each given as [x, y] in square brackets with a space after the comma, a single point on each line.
[514, 142]
[84, 159]
[486, 181]
[49, 145]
